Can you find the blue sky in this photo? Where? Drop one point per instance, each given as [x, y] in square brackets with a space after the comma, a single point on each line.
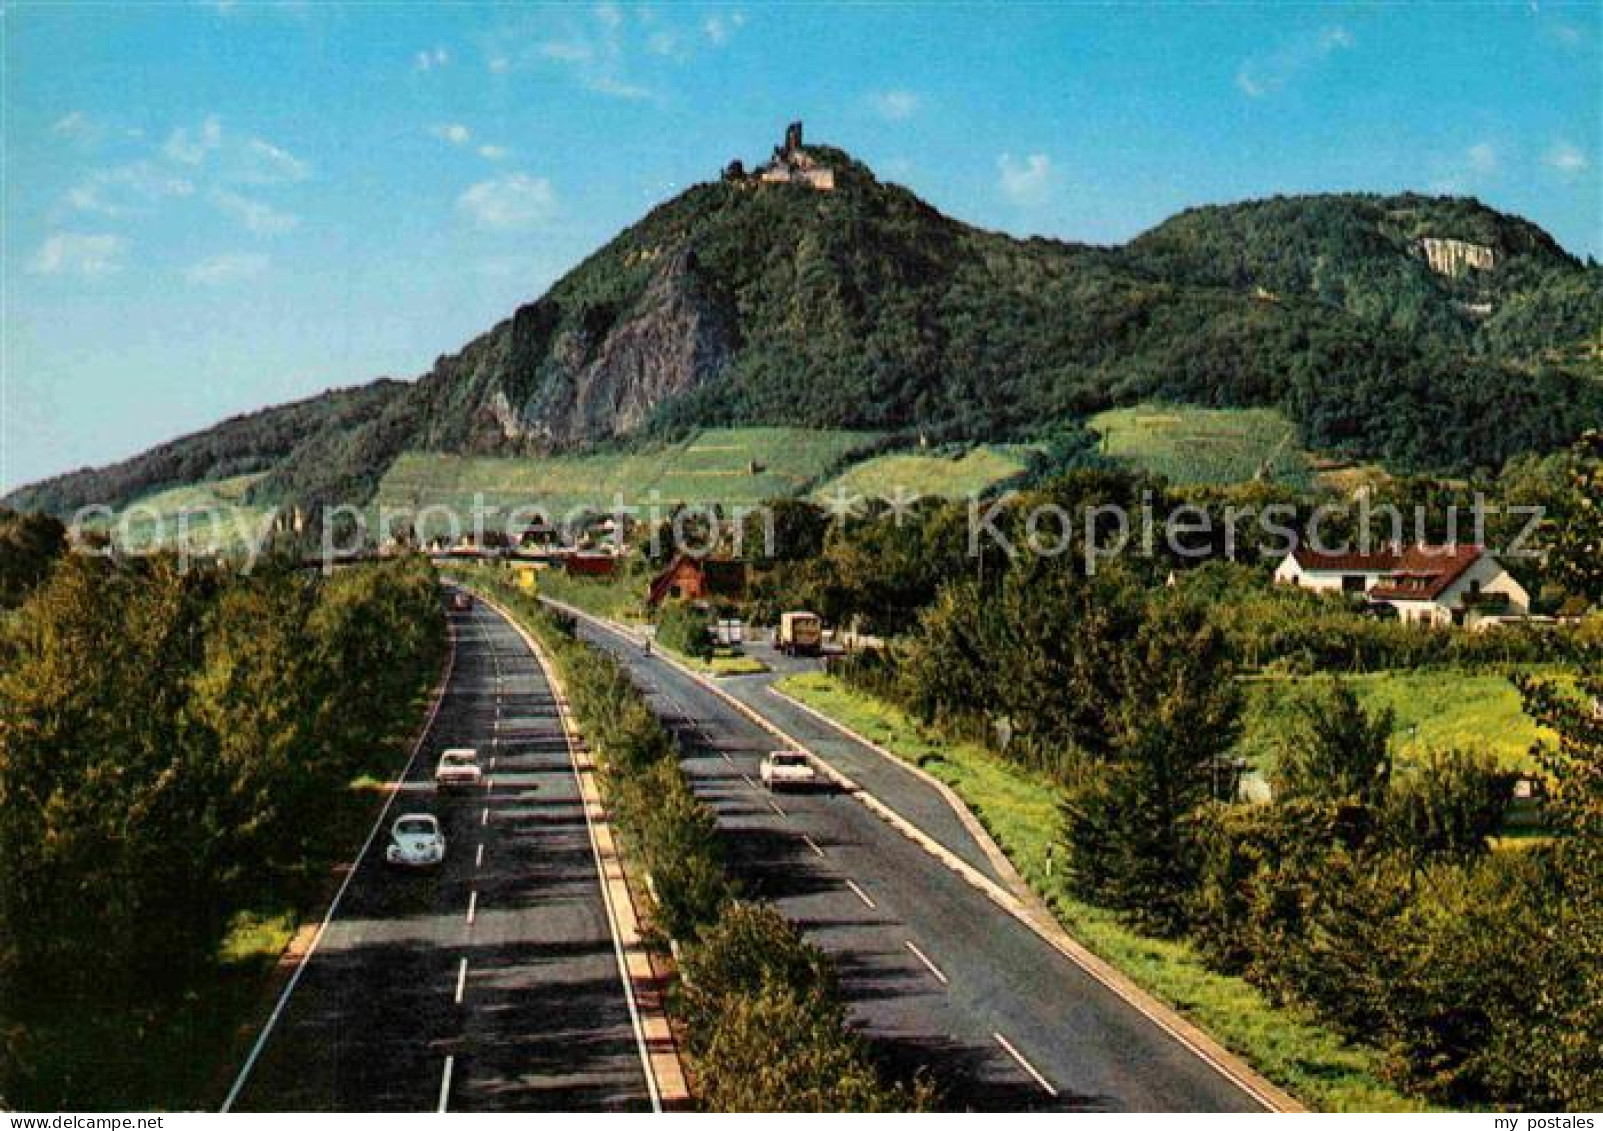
[213, 207]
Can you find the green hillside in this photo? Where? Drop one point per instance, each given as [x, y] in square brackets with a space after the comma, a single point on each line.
[930, 475]
[1201, 445]
[730, 466]
[212, 514]
[863, 309]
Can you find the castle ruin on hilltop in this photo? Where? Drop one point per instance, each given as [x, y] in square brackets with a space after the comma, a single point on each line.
[790, 165]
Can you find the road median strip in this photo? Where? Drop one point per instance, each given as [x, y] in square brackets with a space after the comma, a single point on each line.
[643, 985]
[1028, 909]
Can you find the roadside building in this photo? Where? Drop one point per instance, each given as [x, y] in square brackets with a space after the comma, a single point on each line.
[1421, 584]
[689, 578]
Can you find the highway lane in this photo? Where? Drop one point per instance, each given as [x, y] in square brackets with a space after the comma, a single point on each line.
[935, 972]
[491, 984]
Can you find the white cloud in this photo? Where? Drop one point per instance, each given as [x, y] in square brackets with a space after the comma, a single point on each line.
[896, 105]
[75, 126]
[615, 87]
[125, 189]
[191, 147]
[221, 270]
[1257, 78]
[1566, 158]
[429, 60]
[493, 152]
[258, 218]
[76, 253]
[512, 202]
[262, 163]
[1482, 157]
[720, 29]
[454, 132]
[567, 51]
[499, 64]
[1025, 181]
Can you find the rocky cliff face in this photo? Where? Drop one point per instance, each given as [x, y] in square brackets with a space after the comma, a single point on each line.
[607, 375]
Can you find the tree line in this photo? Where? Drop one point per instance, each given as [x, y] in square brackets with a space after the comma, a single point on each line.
[1367, 892]
[174, 747]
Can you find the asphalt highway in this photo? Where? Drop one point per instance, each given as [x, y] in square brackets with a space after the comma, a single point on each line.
[935, 972]
[491, 983]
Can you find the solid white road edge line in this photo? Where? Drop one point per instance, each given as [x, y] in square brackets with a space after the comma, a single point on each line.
[1026, 1065]
[333, 906]
[601, 881]
[1139, 999]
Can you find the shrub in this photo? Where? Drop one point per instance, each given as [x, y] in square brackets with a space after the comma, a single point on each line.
[685, 630]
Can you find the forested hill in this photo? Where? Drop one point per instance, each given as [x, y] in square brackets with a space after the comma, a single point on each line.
[1430, 333]
[1367, 255]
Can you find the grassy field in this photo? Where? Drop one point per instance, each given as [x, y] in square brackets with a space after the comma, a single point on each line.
[215, 513]
[930, 476]
[1433, 708]
[1021, 812]
[731, 466]
[1204, 445]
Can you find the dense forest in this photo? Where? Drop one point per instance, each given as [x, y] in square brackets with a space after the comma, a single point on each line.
[866, 308]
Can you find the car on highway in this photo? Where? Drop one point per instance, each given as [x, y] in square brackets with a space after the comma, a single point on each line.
[789, 769]
[461, 602]
[458, 768]
[415, 841]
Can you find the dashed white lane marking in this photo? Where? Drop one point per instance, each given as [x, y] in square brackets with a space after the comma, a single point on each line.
[485, 820]
[774, 805]
[928, 965]
[810, 844]
[473, 906]
[478, 857]
[489, 784]
[862, 895]
[445, 1082]
[1026, 1065]
[462, 979]
[749, 783]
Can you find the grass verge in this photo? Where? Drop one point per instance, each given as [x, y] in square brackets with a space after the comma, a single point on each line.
[1020, 810]
[1435, 708]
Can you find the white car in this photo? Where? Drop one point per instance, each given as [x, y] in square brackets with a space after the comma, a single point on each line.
[458, 768]
[415, 841]
[789, 769]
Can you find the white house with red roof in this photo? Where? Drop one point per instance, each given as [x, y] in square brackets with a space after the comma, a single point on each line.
[1432, 585]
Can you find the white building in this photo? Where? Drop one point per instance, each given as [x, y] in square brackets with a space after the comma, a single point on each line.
[1432, 585]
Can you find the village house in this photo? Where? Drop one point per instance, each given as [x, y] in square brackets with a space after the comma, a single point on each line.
[1432, 585]
[689, 578]
[580, 564]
